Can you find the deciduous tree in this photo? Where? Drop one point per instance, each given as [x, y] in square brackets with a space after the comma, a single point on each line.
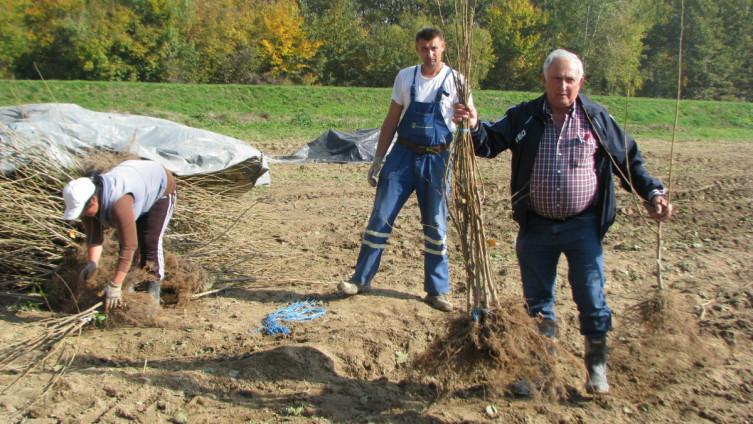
[14, 39]
[515, 28]
[219, 42]
[284, 48]
[342, 56]
[606, 34]
[716, 51]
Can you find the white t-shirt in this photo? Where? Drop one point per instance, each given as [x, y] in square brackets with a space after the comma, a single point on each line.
[426, 90]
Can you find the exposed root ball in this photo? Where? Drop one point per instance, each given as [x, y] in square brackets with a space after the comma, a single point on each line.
[182, 280]
[65, 293]
[670, 345]
[501, 348]
[663, 312]
[139, 310]
[656, 312]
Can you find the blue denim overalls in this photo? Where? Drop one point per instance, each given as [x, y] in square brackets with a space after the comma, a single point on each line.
[405, 171]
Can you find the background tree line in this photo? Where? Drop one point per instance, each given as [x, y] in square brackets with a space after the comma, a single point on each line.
[626, 45]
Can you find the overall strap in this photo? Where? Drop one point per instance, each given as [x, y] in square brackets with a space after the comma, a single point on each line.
[441, 89]
[413, 86]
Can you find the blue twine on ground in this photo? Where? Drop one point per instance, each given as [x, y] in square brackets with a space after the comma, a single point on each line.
[298, 311]
[476, 312]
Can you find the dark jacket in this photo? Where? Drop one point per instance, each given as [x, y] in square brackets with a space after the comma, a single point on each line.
[521, 129]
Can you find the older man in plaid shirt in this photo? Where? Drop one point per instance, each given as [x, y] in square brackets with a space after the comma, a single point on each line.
[565, 149]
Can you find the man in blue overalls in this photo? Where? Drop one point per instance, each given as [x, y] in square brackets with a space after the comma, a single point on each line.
[424, 95]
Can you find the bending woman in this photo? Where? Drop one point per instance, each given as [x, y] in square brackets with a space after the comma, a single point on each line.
[137, 198]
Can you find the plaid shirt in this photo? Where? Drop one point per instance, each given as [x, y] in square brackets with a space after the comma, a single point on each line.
[564, 181]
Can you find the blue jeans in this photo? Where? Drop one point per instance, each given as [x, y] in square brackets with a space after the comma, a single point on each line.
[539, 247]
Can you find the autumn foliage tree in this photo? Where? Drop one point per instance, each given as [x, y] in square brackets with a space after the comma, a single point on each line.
[97, 40]
[218, 43]
[284, 49]
[628, 46]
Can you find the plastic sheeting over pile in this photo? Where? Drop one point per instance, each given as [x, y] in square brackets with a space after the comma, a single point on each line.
[336, 146]
[64, 131]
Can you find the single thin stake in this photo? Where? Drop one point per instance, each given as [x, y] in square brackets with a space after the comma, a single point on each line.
[659, 241]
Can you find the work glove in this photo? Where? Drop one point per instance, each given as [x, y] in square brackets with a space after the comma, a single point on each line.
[87, 272]
[113, 296]
[376, 166]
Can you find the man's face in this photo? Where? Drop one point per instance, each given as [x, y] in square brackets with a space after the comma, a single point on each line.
[562, 82]
[430, 50]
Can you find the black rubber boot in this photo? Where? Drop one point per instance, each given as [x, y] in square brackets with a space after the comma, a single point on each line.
[153, 288]
[596, 366]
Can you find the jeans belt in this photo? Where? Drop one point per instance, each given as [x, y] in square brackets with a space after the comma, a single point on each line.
[423, 150]
[546, 218]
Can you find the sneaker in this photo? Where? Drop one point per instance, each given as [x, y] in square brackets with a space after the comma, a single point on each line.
[439, 302]
[350, 289]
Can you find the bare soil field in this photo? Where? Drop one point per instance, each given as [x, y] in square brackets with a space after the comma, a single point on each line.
[203, 361]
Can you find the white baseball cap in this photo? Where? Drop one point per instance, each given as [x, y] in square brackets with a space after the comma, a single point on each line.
[76, 193]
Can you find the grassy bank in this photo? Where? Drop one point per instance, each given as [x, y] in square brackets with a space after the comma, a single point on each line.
[267, 113]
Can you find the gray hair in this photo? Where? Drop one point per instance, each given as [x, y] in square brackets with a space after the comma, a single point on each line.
[562, 54]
